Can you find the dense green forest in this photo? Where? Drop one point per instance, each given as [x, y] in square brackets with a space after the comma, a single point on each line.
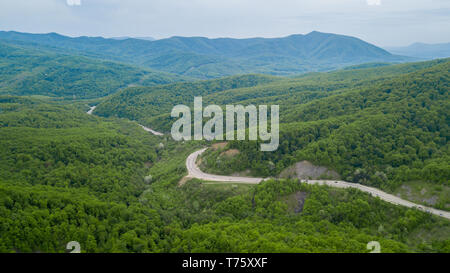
[103, 181]
[26, 71]
[380, 125]
[383, 134]
[151, 106]
[111, 186]
[377, 125]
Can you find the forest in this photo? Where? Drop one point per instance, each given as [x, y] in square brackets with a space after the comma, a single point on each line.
[379, 135]
[374, 125]
[103, 181]
[28, 71]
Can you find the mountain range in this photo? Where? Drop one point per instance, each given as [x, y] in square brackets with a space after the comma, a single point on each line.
[423, 51]
[129, 37]
[203, 58]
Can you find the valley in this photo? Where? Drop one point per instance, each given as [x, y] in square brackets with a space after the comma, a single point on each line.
[87, 154]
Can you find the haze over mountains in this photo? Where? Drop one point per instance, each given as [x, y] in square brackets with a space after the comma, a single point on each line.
[424, 51]
[203, 58]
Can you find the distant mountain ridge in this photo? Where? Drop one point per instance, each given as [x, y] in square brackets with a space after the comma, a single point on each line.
[128, 37]
[422, 50]
[211, 58]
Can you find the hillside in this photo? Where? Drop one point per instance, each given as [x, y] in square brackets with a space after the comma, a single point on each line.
[106, 183]
[111, 186]
[382, 126]
[25, 71]
[152, 105]
[211, 58]
[385, 134]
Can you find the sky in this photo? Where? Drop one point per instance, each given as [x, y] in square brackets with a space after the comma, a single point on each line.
[381, 22]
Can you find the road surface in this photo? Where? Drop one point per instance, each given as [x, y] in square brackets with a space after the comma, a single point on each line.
[151, 131]
[195, 172]
[91, 110]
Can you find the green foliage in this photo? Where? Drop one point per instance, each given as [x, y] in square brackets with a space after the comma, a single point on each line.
[108, 184]
[84, 180]
[382, 134]
[331, 221]
[152, 105]
[211, 58]
[33, 72]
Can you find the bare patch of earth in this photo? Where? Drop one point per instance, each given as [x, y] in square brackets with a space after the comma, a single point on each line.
[220, 145]
[296, 201]
[307, 170]
[230, 153]
[183, 181]
[432, 200]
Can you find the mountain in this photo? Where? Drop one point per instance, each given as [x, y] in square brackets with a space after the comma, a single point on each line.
[424, 51]
[26, 71]
[211, 58]
[151, 106]
[384, 132]
[128, 37]
[113, 187]
[347, 120]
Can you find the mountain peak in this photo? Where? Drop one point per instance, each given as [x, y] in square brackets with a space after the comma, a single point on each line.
[318, 33]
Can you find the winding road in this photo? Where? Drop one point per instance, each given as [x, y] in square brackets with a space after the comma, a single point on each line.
[195, 172]
[92, 108]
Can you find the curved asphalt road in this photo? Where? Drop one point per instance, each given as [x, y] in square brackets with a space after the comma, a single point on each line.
[195, 172]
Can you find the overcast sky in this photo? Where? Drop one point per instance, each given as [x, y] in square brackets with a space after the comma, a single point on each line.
[382, 22]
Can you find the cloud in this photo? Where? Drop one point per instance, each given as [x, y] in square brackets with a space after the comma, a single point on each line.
[392, 23]
[74, 2]
[374, 2]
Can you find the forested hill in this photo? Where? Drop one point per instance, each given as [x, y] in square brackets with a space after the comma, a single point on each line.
[380, 126]
[141, 103]
[109, 185]
[152, 105]
[208, 58]
[385, 134]
[25, 71]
